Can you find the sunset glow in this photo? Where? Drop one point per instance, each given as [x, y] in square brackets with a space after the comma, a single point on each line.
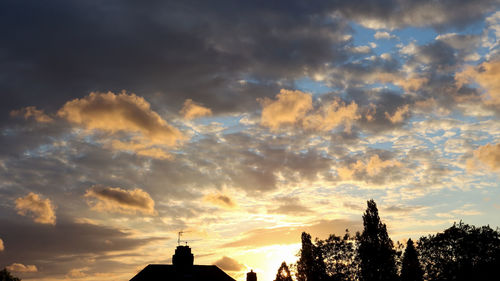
[240, 123]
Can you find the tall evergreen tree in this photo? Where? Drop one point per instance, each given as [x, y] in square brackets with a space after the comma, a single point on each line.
[375, 249]
[310, 266]
[411, 270]
[283, 273]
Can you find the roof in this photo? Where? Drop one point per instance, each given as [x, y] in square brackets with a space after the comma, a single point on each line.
[168, 272]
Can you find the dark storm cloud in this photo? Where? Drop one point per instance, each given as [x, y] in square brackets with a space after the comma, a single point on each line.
[65, 49]
[48, 246]
[170, 51]
[403, 13]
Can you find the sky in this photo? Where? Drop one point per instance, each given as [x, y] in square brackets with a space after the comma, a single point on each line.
[241, 123]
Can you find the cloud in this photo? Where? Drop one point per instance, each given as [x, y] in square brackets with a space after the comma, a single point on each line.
[220, 200]
[488, 155]
[78, 273]
[289, 206]
[361, 49]
[32, 112]
[2, 247]
[140, 148]
[115, 199]
[290, 235]
[486, 76]
[399, 115]
[41, 210]
[360, 169]
[19, 267]
[229, 264]
[410, 83]
[400, 14]
[124, 113]
[113, 113]
[192, 110]
[331, 115]
[288, 108]
[66, 242]
[383, 35]
[296, 108]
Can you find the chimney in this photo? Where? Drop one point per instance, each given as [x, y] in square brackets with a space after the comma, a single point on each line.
[183, 258]
[251, 276]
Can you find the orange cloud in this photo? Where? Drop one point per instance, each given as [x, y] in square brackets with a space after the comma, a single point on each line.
[192, 110]
[32, 112]
[77, 273]
[399, 115]
[291, 235]
[140, 149]
[121, 113]
[486, 75]
[295, 108]
[150, 135]
[220, 200]
[41, 210]
[229, 264]
[287, 109]
[410, 83]
[19, 267]
[120, 200]
[489, 155]
[332, 115]
[2, 247]
[372, 168]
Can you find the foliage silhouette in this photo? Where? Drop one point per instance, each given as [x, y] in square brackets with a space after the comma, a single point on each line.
[283, 273]
[375, 249]
[6, 276]
[310, 266]
[339, 254]
[411, 270]
[461, 252]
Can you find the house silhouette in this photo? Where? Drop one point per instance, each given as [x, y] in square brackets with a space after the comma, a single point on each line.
[184, 269]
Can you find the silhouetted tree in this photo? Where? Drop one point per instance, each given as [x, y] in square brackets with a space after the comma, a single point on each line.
[339, 254]
[310, 266]
[411, 270]
[375, 249]
[6, 276]
[283, 273]
[461, 252]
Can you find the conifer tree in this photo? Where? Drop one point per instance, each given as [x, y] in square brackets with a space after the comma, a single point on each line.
[375, 249]
[411, 270]
[283, 273]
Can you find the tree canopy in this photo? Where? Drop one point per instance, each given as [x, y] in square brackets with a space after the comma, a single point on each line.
[461, 252]
[6, 276]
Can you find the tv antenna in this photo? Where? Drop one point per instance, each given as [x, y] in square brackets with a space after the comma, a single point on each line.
[179, 237]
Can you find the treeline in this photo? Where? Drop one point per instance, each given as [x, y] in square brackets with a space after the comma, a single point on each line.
[461, 252]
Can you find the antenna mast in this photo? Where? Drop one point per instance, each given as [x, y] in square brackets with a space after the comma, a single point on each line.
[179, 238]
